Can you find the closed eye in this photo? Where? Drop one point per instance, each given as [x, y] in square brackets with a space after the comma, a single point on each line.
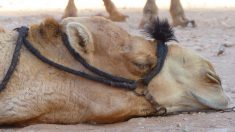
[142, 65]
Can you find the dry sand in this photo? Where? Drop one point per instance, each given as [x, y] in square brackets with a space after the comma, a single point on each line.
[215, 27]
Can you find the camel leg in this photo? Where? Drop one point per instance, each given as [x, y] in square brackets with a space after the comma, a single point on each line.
[150, 12]
[27, 105]
[70, 10]
[178, 16]
[114, 14]
[19, 108]
[2, 29]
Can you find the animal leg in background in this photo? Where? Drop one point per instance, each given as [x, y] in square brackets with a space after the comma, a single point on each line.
[70, 10]
[150, 12]
[114, 14]
[2, 29]
[178, 16]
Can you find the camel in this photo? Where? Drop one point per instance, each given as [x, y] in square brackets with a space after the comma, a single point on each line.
[40, 93]
[150, 12]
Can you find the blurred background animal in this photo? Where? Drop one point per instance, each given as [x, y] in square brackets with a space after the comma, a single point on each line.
[150, 12]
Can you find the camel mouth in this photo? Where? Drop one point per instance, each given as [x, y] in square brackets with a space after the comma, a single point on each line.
[219, 102]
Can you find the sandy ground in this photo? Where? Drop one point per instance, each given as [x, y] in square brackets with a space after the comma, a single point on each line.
[215, 28]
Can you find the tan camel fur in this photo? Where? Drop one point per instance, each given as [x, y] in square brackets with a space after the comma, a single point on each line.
[39, 93]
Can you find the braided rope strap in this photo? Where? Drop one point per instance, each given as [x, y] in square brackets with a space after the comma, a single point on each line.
[15, 58]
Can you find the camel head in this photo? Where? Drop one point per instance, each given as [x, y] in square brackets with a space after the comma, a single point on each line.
[109, 47]
[187, 81]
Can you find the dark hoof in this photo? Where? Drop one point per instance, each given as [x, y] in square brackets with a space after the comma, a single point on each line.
[193, 23]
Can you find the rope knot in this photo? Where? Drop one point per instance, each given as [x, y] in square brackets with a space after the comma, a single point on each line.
[23, 30]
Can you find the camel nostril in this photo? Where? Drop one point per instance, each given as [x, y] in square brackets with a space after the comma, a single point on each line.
[213, 77]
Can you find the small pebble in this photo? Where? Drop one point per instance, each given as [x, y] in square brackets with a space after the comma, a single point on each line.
[228, 45]
[178, 125]
[221, 50]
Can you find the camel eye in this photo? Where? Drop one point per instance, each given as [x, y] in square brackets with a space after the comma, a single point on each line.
[141, 65]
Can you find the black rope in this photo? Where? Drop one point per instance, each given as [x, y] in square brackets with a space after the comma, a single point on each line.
[130, 86]
[75, 72]
[161, 53]
[15, 57]
[78, 57]
[102, 77]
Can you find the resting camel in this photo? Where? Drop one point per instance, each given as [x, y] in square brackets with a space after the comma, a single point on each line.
[150, 12]
[40, 93]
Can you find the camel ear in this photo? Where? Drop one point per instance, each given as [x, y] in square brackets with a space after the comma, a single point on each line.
[79, 37]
